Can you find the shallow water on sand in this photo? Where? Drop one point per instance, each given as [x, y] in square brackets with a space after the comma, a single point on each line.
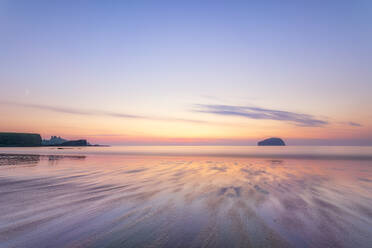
[102, 200]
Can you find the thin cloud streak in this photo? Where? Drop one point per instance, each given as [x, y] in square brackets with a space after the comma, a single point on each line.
[298, 119]
[71, 110]
[354, 124]
[90, 112]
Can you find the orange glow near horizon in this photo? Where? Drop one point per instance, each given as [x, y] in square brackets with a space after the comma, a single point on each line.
[112, 130]
[178, 74]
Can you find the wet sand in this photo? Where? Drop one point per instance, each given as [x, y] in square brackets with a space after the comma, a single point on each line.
[183, 201]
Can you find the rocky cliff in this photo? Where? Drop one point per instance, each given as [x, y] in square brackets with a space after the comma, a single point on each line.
[20, 139]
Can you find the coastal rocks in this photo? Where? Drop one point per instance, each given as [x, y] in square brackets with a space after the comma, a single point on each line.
[20, 139]
[54, 140]
[271, 142]
[75, 143]
[32, 139]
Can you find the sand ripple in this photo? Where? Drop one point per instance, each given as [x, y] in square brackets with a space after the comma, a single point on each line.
[154, 201]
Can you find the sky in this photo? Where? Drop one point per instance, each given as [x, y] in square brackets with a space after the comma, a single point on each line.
[188, 72]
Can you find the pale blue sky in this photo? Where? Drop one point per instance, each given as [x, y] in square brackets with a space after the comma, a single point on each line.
[160, 58]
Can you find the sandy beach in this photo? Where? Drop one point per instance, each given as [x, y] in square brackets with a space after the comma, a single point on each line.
[98, 200]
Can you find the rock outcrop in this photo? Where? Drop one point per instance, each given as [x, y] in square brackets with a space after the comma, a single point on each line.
[75, 143]
[271, 142]
[20, 139]
[54, 140]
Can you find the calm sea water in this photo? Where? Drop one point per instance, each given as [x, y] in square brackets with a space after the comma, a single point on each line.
[186, 197]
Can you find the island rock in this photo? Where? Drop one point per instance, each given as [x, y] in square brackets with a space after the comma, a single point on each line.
[271, 142]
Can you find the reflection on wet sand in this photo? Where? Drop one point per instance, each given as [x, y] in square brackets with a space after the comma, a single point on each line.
[14, 159]
[26, 159]
[134, 201]
[33, 160]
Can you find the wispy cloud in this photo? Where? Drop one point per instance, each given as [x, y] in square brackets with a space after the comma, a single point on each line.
[354, 124]
[227, 110]
[298, 119]
[93, 112]
[75, 111]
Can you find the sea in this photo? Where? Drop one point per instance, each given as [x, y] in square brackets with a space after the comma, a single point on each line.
[186, 196]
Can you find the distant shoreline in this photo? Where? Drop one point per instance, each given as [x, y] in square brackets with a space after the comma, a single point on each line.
[322, 153]
[1, 146]
[13, 139]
